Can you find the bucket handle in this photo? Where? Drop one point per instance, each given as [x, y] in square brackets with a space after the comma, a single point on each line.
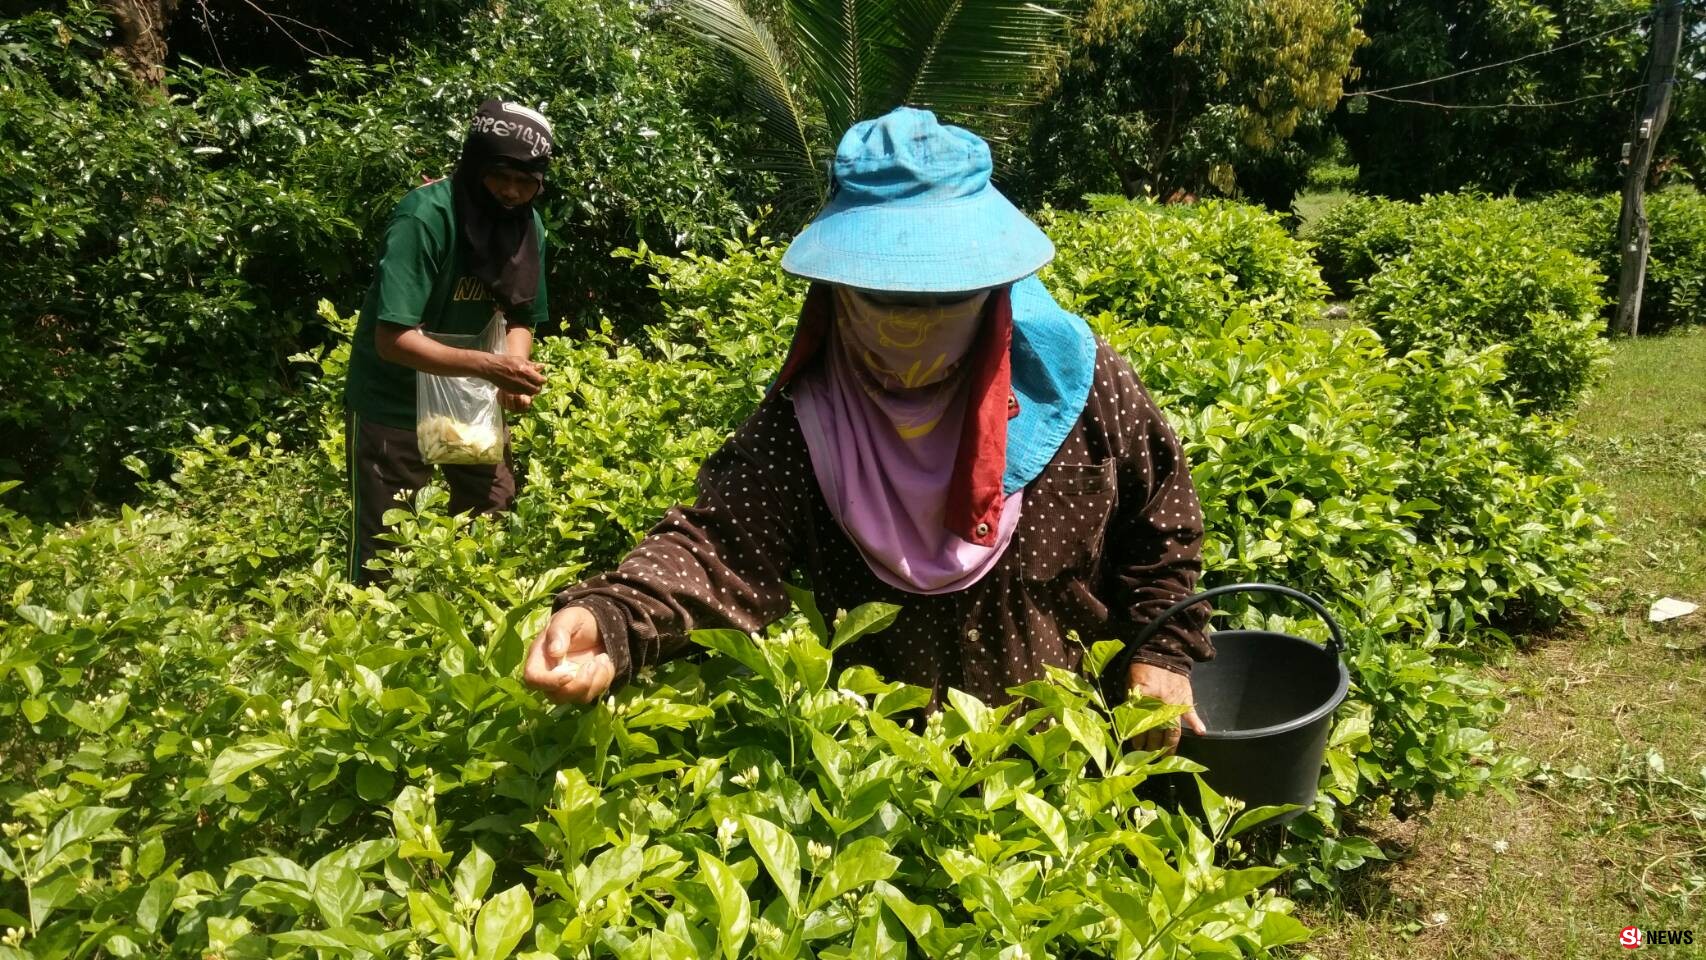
[1336, 645]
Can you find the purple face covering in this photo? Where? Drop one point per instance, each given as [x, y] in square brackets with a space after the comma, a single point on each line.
[881, 419]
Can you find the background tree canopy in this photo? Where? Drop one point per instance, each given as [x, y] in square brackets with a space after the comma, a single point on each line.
[1176, 96]
[1405, 150]
[812, 68]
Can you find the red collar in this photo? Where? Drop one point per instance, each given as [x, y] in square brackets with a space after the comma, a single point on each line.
[974, 494]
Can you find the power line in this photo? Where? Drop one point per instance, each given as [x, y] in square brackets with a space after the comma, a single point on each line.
[1490, 66]
[1513, 105]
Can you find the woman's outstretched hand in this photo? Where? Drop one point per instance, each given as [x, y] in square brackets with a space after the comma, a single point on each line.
[567, 660]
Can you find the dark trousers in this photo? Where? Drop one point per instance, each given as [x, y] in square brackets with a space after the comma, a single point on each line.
[385, 467]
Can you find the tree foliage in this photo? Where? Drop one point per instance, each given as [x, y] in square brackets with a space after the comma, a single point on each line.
[1406, 150]
[1166, 96]
[814, 67]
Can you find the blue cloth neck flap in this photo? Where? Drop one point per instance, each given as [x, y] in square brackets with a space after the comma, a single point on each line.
[1053, 365]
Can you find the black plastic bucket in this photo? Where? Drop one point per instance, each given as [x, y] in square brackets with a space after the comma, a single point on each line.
[1267, 700]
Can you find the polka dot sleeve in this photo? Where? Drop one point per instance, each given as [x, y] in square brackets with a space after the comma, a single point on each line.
[718, 563]
[1155, 535]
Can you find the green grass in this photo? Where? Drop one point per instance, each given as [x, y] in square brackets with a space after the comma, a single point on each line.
[1612, 829]
[1312, 204]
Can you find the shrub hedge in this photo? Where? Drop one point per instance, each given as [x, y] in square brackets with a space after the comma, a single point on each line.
[216, 747]
[1355, 238]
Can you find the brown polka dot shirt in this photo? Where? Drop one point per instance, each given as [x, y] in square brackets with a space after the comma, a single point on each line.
[1110, 535]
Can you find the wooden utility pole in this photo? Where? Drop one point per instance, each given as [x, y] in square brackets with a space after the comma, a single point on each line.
[1632, 232]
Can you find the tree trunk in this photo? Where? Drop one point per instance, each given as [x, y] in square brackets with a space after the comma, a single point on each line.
[142, 37]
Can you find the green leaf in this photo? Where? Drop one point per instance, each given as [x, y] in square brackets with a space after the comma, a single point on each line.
[1047, 819]
[35, 709]
[736, 646]
[806, 603]
[473, 875]
[780, 854]
[318, 939]
[612, 870]
[501, 923]
[426, 913]
[1279, 929]
[151, 856]
[357, 856]
[238, 759]
[156, 902]
[276, 868]
[879, 936]
[974, 712]
[832, 757]
[434, 609]
[337, 894]
[1214, 806]
[637, 771]
[1090, 733]
[1230, 885]
[1256, 816]
[812, 662]
[1100, 654]
[864, 861]
[47, 897]
[734, 910]
[72, 828]
[865, 619]
[1161, 873]
[98, 718]
[992, 898]
[924, 922]
[373, 783]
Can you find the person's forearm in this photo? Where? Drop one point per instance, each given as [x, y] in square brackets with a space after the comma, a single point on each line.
[418, 351]
[518, 341]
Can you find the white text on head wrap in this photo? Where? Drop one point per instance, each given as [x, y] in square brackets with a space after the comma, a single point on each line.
[538, 144]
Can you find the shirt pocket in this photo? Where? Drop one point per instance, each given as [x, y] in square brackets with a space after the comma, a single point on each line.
[1065, 520]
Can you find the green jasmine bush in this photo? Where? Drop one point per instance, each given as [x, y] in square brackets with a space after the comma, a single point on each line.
[1479, 280]
[215, 746]
[1179, 265]
[1674, 292]
[1354, 239]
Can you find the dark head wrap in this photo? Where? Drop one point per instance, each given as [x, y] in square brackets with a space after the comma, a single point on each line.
[503, 243]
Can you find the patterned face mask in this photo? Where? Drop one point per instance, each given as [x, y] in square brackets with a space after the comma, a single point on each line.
[904, 346]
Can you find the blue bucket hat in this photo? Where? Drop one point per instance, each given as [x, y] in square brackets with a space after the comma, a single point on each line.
[911, 210]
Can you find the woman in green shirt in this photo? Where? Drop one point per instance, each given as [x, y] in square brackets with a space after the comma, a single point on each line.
[457, 251]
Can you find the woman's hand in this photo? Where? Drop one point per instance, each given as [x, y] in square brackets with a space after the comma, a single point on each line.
[514, 402]
[1148, 680]
[567, 660]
